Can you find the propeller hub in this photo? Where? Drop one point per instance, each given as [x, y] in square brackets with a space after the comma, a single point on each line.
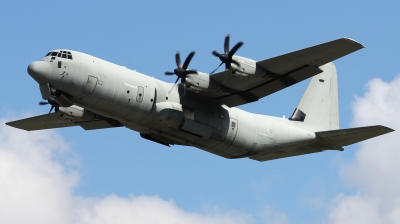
[225, 58]
[180, 72]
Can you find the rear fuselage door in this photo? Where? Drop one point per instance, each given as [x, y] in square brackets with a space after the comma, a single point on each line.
[233, 126]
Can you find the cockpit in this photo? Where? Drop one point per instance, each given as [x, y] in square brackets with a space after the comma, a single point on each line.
[60, 54]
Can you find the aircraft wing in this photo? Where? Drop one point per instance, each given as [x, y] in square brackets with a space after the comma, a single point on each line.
[281, 72]
[53, 120]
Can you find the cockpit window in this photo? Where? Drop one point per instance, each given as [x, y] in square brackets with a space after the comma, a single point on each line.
[60, 54]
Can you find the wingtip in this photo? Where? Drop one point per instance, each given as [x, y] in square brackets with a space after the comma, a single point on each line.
[388, 130]
[352, 41]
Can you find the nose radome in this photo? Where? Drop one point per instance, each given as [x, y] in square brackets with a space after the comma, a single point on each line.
[40, 71]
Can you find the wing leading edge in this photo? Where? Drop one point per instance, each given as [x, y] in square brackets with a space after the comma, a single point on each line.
[280, 72]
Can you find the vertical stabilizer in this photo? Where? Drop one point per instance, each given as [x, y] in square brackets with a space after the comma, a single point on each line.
[318, 109]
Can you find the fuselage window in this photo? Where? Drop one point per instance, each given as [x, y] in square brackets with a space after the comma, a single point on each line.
[69, 55]
[54, 53]
[64, 55]
[48, 54]
[59, 54]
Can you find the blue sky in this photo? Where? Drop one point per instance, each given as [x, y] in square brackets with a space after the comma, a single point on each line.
[145, 36]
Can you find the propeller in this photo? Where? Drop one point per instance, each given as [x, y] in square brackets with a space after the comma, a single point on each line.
[52, 102]
[226, 57]
[182, 71]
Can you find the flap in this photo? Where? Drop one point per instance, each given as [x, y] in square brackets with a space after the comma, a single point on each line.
[269, 85]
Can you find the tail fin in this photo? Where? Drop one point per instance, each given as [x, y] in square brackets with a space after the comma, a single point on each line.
[318, 109]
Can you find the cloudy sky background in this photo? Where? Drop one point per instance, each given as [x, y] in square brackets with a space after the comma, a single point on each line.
[109, 176]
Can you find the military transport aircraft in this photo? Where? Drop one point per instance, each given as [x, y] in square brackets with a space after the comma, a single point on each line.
[200, 110]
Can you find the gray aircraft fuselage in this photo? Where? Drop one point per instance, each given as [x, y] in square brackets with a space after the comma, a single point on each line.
[148, 105]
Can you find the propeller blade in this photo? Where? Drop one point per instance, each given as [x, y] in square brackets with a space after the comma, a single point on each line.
[177, 79]
[188, 59]
[215, 53]
[178, 60]
[169, 73]
[235, 48]
[53, 102]
[173, 86]
[216, 68]
[226, 44]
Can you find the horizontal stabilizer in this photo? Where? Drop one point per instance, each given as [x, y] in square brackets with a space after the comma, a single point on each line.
[326, 140]
[336, 139]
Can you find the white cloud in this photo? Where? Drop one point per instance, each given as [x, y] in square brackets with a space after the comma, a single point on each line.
[375, 170]
[146, 209]
[36, 186]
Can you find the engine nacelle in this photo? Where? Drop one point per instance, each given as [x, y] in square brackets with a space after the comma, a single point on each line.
[247, 67]
[201, 82]
[75, 113]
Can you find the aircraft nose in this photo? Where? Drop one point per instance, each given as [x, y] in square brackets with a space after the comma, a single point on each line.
[40, 71]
